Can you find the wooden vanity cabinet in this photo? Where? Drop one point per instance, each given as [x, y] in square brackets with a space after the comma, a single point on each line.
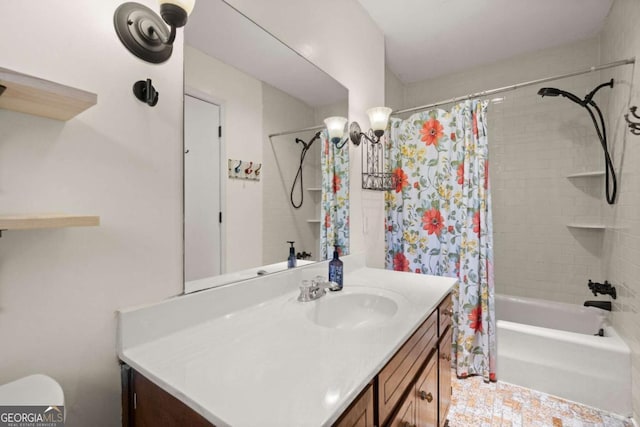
[397, 376]
[361, 412]
[144, 404]
[426, 401]
[412, 390]
[420, 406]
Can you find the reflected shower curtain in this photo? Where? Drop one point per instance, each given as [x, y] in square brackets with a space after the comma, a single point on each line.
[334, 214]
[439, 220]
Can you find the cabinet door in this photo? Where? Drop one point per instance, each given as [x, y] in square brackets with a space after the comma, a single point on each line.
[402, 369]
[150, 406]
[426, 390]
[444, 377]
[406, 415]
[360, 413]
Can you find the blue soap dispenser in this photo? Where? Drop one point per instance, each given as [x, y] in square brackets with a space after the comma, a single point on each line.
[336, 270]
[292, 260]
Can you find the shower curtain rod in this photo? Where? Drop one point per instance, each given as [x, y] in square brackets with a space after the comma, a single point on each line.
[289, 132]
[516, 86]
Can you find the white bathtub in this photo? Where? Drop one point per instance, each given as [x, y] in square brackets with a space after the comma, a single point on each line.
[551, 347]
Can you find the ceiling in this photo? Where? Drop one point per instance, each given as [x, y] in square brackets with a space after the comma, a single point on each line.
[220, 31]
[428, 38]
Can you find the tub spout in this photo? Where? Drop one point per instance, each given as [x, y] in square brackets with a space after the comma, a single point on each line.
[603, 305]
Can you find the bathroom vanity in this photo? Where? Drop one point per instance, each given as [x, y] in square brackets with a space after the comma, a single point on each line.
[247, 354]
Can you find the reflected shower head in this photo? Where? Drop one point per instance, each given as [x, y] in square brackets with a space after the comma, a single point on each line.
[549, 91]
[552, 91]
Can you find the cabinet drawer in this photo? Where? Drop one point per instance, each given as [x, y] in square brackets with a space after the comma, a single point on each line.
[396, 376]
[445, 312]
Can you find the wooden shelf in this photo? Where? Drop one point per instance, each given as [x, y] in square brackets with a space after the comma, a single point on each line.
[29, 222]
[587, 226]
[586, 174]
[31, 95]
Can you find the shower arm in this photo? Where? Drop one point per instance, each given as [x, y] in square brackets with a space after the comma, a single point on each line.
[306, 145]
[589, 97]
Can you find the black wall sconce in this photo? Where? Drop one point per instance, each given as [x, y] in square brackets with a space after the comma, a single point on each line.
[335, 128]
[145, 34]
[145, 92]
[375, 167]
[379, 119]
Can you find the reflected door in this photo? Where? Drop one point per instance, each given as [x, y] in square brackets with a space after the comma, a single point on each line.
[202, 228]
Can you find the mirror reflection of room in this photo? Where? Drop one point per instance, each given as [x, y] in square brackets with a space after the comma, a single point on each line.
[256, 153]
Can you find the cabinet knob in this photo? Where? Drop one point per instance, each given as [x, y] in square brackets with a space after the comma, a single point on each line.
[446, 357]
[449, 312]
[425, 396]
[407, 424]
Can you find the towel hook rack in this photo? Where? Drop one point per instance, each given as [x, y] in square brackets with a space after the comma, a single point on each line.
[634, 126]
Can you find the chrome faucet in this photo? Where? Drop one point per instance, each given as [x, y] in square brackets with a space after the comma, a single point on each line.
[311, 290]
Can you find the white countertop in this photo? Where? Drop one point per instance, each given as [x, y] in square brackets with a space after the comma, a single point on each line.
[270, 365]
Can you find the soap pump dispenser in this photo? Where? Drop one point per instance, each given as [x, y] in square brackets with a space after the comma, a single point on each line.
[292, 261]
[335, 269]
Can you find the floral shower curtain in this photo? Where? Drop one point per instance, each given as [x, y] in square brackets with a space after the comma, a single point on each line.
[439, 220]
[334, 216]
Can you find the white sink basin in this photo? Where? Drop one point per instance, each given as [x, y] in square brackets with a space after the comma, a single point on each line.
[350, 309]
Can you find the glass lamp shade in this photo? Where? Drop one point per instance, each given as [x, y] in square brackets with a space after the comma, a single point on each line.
[335, 126]
[186, 5]
[379, 118]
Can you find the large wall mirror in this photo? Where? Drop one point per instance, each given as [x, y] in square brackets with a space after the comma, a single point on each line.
[248, 99]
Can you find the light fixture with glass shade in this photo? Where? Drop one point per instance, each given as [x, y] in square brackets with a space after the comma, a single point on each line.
[378, 118]
[335, 127]
[145, 34]
[375, 167]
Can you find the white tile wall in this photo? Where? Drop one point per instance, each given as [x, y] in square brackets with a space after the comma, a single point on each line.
[281, 157]
[620, 39]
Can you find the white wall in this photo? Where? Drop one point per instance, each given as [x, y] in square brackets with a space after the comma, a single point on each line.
[241, 99]
[393, 90]
[620, 39]
[340, 38]
[281, 157]
[534, 144]
[122, 160]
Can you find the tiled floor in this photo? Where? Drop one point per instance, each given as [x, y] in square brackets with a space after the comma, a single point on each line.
[477, 404]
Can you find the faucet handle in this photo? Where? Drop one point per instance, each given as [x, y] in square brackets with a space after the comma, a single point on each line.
[306, 289]
[326, 284]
